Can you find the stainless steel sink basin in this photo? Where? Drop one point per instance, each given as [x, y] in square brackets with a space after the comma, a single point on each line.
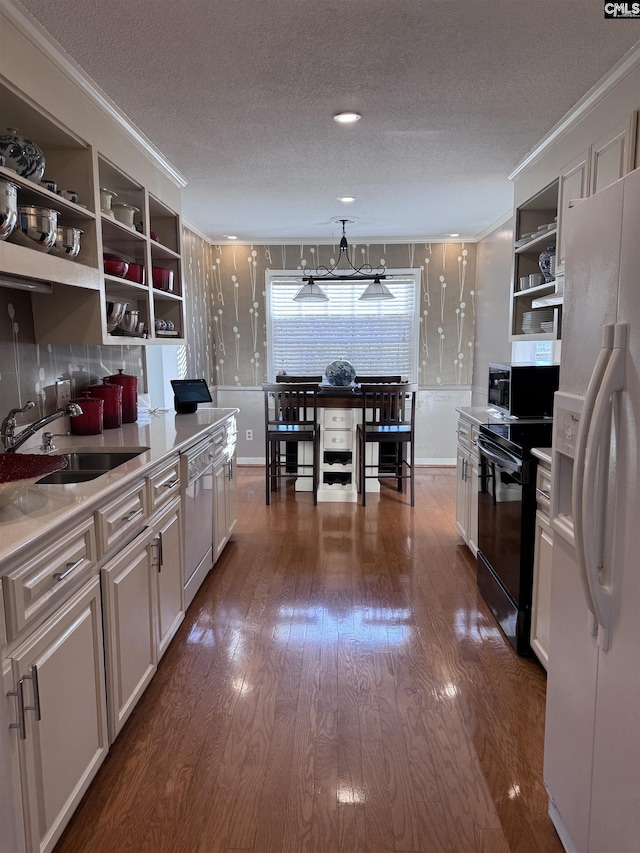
[67, 476]
[87, 465]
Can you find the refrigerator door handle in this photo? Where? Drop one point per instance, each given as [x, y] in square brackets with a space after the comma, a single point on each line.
[578, 483]
[594, 498]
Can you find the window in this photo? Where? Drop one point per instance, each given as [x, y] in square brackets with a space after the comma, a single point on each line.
[378, 337]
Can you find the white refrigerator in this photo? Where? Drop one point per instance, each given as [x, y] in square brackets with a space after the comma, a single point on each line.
[592, 732]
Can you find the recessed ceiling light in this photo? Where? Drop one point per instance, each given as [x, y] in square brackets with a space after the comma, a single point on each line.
[347, 118]
[230, 237]
[452, 235]
[346, 199]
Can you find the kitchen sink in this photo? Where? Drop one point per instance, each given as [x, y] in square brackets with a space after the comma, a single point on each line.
[87, 465]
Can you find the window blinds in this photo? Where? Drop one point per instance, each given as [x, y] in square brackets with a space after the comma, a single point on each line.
[377, 337]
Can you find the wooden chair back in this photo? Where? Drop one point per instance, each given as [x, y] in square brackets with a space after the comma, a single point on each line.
[289, 403]
[297, 380]
[385, 405]
[377, 380]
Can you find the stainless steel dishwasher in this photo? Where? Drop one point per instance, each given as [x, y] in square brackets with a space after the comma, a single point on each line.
[196, 482]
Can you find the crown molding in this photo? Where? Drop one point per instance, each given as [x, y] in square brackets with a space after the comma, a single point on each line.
[629, 62]
[42, 40]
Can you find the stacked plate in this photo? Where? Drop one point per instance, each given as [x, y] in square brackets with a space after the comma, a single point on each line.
[534, 322]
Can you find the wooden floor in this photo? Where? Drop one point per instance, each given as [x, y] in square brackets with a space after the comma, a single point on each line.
[337, 685]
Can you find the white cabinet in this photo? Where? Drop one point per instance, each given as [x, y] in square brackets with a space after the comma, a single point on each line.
[168, 574]
[573, 184]
[74, 309]
[541, 600]
[129, 627]
[58, 714]
[225, 496]
[338, 456]
[612, 155]
[467, 483]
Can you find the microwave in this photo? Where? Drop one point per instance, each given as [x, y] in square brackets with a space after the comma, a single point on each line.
[523, 390]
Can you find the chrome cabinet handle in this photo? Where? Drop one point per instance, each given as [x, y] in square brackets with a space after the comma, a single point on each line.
[170, 484]
[33, 676]
[71, 567]
[544, 494]
[21, 724]
[160, 554]
[132, 515]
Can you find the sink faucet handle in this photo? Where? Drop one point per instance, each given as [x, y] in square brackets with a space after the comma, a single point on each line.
[28, 405]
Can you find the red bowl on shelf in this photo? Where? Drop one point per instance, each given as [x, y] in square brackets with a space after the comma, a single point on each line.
[162, 279]
[154, 236]
[135, 273]
[114, 265]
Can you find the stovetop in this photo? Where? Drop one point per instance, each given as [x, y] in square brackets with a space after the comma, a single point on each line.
[520, 436]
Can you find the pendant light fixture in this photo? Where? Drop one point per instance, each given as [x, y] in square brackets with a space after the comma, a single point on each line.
[312, 291]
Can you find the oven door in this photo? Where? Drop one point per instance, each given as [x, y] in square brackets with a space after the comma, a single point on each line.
[500, 514]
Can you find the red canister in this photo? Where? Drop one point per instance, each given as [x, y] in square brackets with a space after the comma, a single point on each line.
[91, 421]
[129, 394]
[112, 396]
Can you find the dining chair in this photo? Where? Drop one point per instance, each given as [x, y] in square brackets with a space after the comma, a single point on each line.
[291, 417]
[388, 418]
[376, 380]
[285, 377]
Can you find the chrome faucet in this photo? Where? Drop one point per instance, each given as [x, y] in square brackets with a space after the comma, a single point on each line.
[8, 435]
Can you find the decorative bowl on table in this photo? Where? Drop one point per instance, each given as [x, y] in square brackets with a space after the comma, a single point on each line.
[18, 471]
[340, 372]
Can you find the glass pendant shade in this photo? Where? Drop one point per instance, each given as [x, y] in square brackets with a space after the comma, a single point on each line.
[377, 290]
[310, 292]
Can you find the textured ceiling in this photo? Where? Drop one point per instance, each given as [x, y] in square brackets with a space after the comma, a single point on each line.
[240, 95]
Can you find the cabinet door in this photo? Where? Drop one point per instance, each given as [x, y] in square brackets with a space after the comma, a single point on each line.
[462, 493]
[472, 531]
[129, 625]
[61, 670]
[169, 575]
[231, 496]
[541, 603]
[574, 183]
[612, 155]
[220, 532]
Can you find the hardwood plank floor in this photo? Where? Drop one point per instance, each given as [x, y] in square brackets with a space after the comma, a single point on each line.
[338, 685]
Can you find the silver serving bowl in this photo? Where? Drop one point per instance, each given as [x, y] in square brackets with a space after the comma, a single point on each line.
[40, 224]
[115, 313]
[68, 241]
[8, 208]
[129, 323]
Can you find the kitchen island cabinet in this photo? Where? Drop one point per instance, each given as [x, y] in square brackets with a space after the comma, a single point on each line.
[467, 482]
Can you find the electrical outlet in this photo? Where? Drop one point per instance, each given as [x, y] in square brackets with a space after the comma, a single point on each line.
[63, 392]
[249, 435]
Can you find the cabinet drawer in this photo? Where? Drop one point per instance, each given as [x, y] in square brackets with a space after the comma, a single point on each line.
[337, 439]
[45, 581]
[543, 488]
[163, 484]
[337, 418]
[120, 519]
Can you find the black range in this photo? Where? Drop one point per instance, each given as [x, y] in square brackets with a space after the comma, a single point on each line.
[506, 522]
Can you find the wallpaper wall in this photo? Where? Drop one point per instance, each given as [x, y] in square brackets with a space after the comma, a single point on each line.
[28, 371]
[226, 305]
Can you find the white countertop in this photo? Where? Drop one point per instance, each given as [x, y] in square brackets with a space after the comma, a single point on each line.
[483, 415]
[43, 508]
[542, 453]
